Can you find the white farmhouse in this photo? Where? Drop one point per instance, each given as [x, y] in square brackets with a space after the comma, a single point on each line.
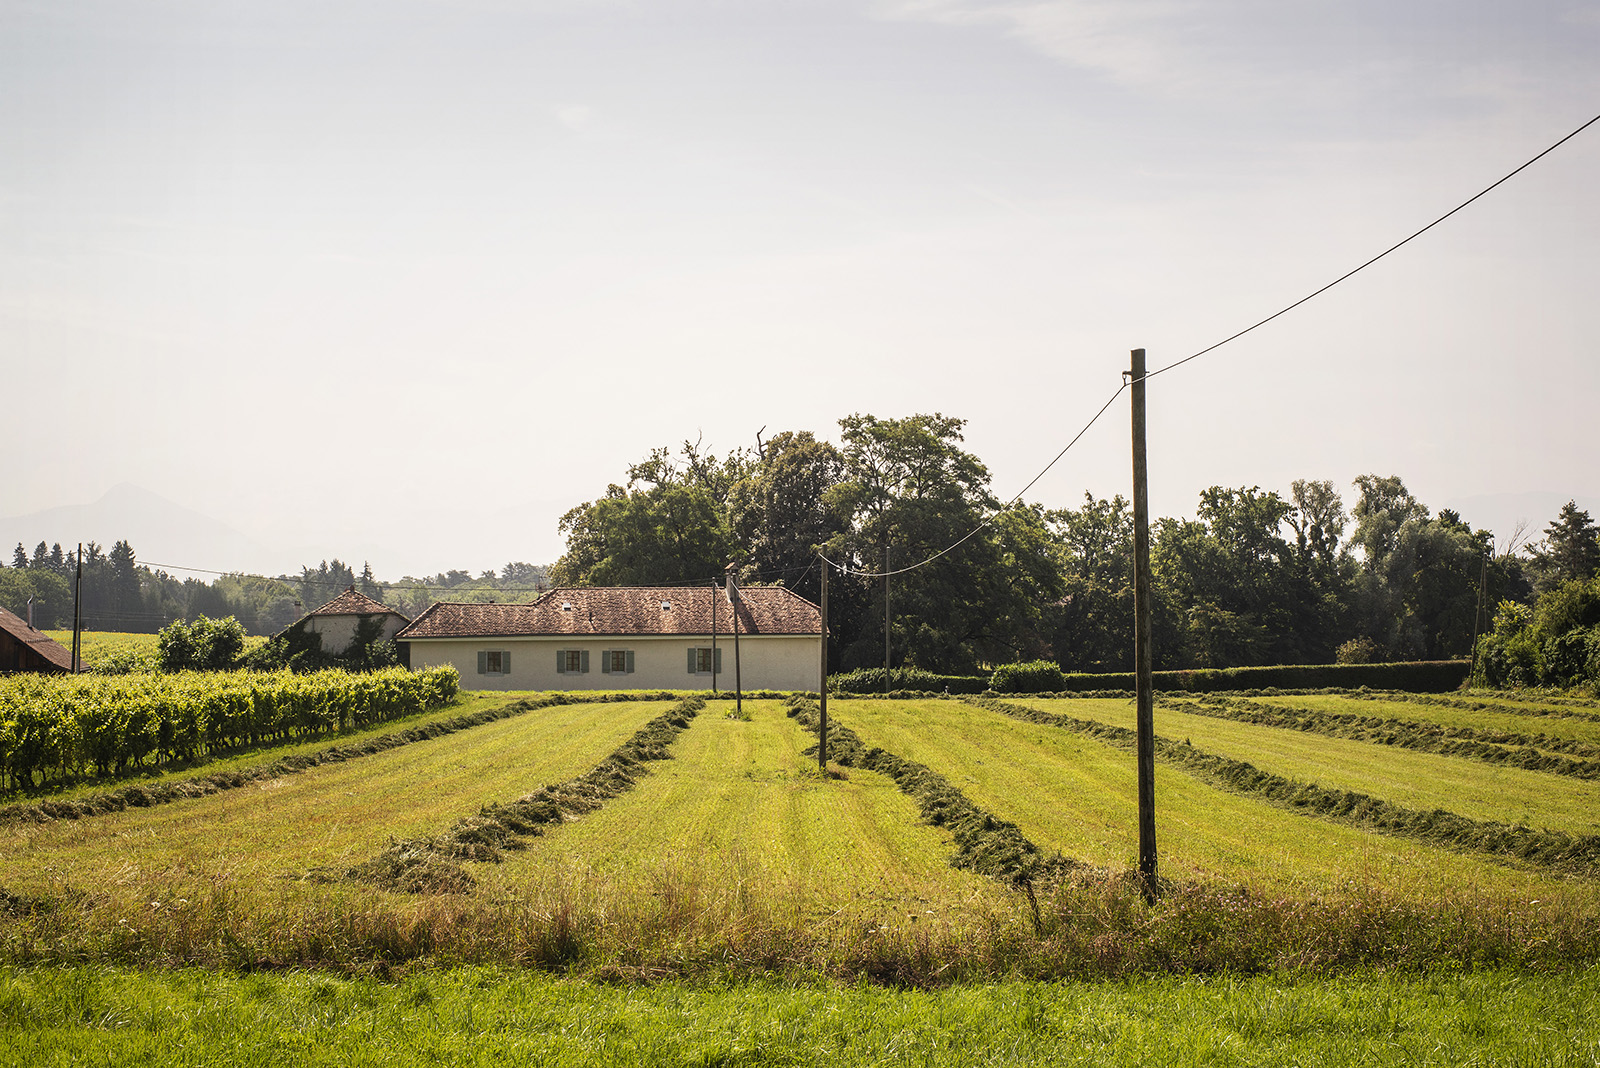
[626, 638]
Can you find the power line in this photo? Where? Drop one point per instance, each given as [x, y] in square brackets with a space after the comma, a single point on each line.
[844, 569]
[1355, 270]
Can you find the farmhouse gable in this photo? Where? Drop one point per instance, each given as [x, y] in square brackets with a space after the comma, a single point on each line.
[24, 649]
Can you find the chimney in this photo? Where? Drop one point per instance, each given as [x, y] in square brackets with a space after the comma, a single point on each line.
[30, 613]
[733, 590]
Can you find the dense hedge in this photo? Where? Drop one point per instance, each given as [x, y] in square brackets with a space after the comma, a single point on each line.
[1036, 676]
[1429, 676]
[59, 727]
[870, 680]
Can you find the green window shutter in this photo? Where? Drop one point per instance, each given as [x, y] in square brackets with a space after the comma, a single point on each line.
[605, 661]
[718, 666]
[583, 662]
[505, 661]
[630, 661]
[483, 662]
[561, 661]
[691, 661]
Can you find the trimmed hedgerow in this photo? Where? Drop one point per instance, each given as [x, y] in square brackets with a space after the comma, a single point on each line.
[1557, 850]
[1430, 676]
[909, 680]
[433, 865]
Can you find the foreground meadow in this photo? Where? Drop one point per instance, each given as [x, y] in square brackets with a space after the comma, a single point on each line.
[953, 845]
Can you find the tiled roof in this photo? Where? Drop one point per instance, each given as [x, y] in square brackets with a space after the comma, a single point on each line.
[351, 603]
[615, 610]
[41, 643]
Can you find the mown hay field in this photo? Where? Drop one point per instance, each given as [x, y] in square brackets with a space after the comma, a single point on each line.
[571, 837]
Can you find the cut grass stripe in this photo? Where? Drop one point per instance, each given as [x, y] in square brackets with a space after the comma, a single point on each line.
[433, 864]
[1556, 850]
[984, 843]
[1535, 752]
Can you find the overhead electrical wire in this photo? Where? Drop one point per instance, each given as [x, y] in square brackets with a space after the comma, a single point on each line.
[1127, 378]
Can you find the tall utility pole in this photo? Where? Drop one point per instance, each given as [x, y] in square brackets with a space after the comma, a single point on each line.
[1143, 661]
[885, 619]
[822, 692]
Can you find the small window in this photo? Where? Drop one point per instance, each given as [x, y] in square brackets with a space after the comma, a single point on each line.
[702, 660]
[617, 661]
[494, 662]
[574, 661]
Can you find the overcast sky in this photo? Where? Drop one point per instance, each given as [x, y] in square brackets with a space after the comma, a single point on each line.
[404, 281]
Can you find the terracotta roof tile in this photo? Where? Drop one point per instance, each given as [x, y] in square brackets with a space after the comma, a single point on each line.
[39, 642]
[351, 603]
[614, 610]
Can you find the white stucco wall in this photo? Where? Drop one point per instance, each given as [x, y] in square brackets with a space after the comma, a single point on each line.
[339, 631]
[767, 662]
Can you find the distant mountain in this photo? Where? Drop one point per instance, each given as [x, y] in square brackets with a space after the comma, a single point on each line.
[159, 530]
[1502, 512]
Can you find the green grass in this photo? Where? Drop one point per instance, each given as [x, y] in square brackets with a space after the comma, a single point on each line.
[1077, 796]
[741, 813]
[269, 834]
[1498, 717]
[492, 1017]
[1416, 780]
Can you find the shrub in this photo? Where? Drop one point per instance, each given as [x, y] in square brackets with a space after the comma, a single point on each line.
[870, 680]
[1036, 676]
[1361, 650]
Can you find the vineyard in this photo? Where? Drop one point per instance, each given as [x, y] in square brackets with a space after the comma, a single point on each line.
[56, 728]
[653, 835]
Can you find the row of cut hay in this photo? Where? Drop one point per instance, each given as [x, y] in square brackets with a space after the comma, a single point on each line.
[1555, 850]
[984, 843]
[433, 864]
[1528, 752]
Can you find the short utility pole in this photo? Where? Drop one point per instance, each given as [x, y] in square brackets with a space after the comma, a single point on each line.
[1143, 661]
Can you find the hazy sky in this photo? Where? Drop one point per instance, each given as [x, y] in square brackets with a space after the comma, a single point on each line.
[404, 281]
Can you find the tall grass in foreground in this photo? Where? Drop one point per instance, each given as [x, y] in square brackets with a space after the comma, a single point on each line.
[684, 921]
[96, 1015]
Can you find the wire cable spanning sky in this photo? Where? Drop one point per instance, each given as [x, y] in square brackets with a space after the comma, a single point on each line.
[404, 282]
[1128, 380]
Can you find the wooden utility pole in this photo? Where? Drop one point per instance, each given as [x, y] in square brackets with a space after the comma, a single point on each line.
[822, 692]
[713, 639]
[885, 619]
[733, 605]
[1143, 661]
[77, 616]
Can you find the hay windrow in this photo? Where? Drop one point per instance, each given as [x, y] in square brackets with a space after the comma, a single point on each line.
[985, 844]
[434, 864]
[1556, 850]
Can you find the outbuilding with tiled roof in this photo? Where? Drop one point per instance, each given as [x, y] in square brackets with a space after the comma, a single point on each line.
[338, 623]
[24, 649]
[626, 637]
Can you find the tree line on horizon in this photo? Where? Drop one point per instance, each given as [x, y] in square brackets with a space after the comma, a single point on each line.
[1254, 578]
[120, 594]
